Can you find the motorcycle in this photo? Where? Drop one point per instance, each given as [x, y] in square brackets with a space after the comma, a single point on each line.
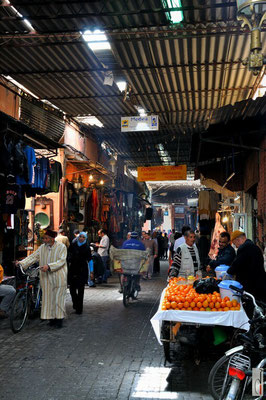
[231, 376]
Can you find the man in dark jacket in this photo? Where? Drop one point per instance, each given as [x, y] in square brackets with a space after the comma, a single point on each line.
[226, 253]
[248, 266]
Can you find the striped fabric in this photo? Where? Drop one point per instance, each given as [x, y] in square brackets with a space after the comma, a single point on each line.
[53, 282]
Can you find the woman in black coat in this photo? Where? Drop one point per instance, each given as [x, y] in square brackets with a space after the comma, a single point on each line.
[78, 272]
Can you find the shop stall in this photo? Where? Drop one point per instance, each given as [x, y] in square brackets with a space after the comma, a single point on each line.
[26, 171]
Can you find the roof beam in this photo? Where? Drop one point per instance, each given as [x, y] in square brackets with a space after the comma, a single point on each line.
[232, 27]
[124, 12]
[179, 92]
[121, 69]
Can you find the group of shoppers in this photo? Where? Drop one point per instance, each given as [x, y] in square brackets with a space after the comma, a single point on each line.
[62, 263]
[246, 265]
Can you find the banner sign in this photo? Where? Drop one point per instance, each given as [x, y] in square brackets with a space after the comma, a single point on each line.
[162, 173]
[139, 123]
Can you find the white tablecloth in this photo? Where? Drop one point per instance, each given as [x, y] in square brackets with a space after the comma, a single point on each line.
[236, 319]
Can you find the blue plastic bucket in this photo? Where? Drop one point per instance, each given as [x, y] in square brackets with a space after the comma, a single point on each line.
[226, 291]
[221, 270]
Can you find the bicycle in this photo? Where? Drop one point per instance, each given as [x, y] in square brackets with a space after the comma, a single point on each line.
[131, 287]
[231, 376]
[27, 301]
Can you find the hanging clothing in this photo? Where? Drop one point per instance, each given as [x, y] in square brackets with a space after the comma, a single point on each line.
[12, 198]
[31, 162]
[41, 170]
[53, 179]
[53, 282]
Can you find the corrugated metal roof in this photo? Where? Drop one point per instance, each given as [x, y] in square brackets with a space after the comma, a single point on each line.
[183, 72]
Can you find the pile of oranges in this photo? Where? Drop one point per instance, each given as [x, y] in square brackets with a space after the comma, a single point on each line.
[184, 297]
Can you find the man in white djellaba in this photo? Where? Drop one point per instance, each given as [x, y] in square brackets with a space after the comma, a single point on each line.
[51, 256]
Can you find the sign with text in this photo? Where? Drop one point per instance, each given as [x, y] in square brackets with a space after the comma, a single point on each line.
[162, 173]
[140, 123]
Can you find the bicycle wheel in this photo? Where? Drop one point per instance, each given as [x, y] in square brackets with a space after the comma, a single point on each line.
[216, 377]
[126, 293]
[19, 311]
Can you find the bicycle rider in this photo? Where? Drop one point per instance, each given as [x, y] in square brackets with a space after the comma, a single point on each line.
[132, 244]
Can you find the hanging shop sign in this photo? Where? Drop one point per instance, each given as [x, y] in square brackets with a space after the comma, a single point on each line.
[140, 123]
[162, 173]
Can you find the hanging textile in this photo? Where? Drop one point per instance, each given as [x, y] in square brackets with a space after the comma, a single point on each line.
[31, 162]
[53, 179]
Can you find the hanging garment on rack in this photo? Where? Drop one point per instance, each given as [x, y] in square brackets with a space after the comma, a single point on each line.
[41, 170]
[95, 204]
[53, 179]
[214, 204]
[31, 162]
[218, 229]
[12, 198]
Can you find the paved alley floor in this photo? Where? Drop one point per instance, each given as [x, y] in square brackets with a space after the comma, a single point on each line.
[108, 352]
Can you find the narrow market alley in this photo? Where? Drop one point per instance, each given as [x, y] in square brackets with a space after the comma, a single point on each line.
[108, 352]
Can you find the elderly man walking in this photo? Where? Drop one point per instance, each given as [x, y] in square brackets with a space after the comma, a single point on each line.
[51, 257]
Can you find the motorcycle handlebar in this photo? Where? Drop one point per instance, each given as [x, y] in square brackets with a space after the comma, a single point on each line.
[260, 315]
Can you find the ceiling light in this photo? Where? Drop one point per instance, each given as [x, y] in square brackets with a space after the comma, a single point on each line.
[121, 85]
[90, 177]
[174, 16]
[89, 120]
[141, 111]
[101, 182]
[96, 40]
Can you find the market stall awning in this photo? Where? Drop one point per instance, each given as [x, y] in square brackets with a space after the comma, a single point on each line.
[240, 132]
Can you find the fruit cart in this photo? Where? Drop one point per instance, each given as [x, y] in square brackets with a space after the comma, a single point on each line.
[169, 317]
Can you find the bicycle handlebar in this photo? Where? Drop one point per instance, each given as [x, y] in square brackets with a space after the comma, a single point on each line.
[23, 271]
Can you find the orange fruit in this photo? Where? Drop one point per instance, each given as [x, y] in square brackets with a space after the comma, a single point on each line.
[186, 304]
[211, 304]
[205, 303]
[234, 303]
[168, 304]
[214, 309]
[173, 305]
[226, 298]
[229, 304]
[195, 309]
[217, 304]
[189, 308]
[223, 304]
[226, 309]
[202, 309]
[199, 304]
[193, 304]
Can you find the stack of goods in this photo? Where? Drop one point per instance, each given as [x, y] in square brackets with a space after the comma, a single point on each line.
[179, 296]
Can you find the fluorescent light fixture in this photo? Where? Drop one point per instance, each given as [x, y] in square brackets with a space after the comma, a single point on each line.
[96, 40]
[141, 111]
[237, 197]
[174, 16]
[121, 85]
[89, 120]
